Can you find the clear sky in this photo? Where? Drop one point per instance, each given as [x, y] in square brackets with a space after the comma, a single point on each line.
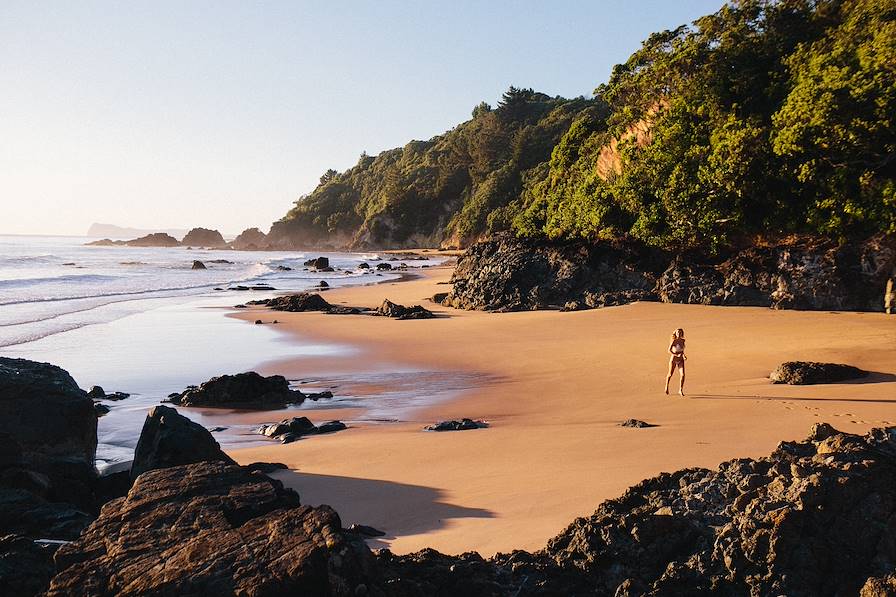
[158, 114]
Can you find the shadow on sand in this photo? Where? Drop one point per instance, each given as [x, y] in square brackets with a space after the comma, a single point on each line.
[394, 508]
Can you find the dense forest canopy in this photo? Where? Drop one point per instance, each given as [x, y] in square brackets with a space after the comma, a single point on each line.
[763, 119]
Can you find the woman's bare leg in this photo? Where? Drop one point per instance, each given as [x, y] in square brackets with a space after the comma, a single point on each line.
[671, 371]
[681, 381]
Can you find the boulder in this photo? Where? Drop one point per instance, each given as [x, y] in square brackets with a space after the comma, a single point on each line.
[383, 266]
[243, 390]
[462, 425]
[343, 310]
[213, 528]
[96, 393]
[367, 531]
[289, 430]
[250, 239]
[53, 423]
[636, 423]
[808, 372]
[25, 567]
[198, 265]
[171, 439]
[318, 263]
[439, 297]
[303, 301]
[396, 311]
[203, 237]
[363, 265]
[323, 284]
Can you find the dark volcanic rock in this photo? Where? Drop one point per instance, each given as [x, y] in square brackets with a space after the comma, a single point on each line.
[318, 263]
[203, 237]
[816, 517]
[303, 301]
[343, 310]
[289, 430]
[507, 273]
[212, 529]
[96, 392]
[383, 266]
[636, 423]
[25, 567]
[462, 425]
[367, 531]
[808, 372]
[171, 439]
[390, 309]
[198, 265]
[53, 424]
[243, 390]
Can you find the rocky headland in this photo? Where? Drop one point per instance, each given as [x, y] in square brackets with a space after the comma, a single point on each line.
[506, 273]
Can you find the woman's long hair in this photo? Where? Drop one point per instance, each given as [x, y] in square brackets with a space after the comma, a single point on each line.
[677, 334]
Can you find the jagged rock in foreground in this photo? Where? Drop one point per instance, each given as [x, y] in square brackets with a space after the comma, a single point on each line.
[816, 517]
[808, 372]
[243, 390]
[25, 567]
[48, 429]
[507, 273]
[171, 439]
[212, 529]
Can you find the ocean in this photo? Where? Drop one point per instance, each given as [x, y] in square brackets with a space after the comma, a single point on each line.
[142, 321]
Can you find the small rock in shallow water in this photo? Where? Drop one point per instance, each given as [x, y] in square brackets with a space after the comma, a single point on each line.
[198, 265]
[96, 392]
[258, 322]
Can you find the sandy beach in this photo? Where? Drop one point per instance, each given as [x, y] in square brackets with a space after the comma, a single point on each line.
[554, 387]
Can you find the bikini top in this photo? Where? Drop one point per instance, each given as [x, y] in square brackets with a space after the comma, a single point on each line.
[677, 348]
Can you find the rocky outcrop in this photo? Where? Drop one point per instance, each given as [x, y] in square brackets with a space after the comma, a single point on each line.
[212, 529]
[303, 301]
[52, 423]
[396, 311]
[816, 517]
[25, 567]
[171, 439]
[198, 265]
[808, 372]
[319, 263]
[250, 239]
[243, 390]
[203, 237]
[289, 430]
[47, 475]
[462, 425]
[507, 273]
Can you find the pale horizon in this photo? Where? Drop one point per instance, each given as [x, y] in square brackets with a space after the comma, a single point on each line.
[168, 116]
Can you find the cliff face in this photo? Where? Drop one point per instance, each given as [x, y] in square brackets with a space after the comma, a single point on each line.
[510, 274]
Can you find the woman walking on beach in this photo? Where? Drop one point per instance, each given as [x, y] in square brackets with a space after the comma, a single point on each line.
[676, 349]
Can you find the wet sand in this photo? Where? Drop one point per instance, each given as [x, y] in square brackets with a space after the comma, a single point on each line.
[554, 388]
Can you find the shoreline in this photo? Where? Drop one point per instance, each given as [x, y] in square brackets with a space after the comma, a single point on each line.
[554, 387]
